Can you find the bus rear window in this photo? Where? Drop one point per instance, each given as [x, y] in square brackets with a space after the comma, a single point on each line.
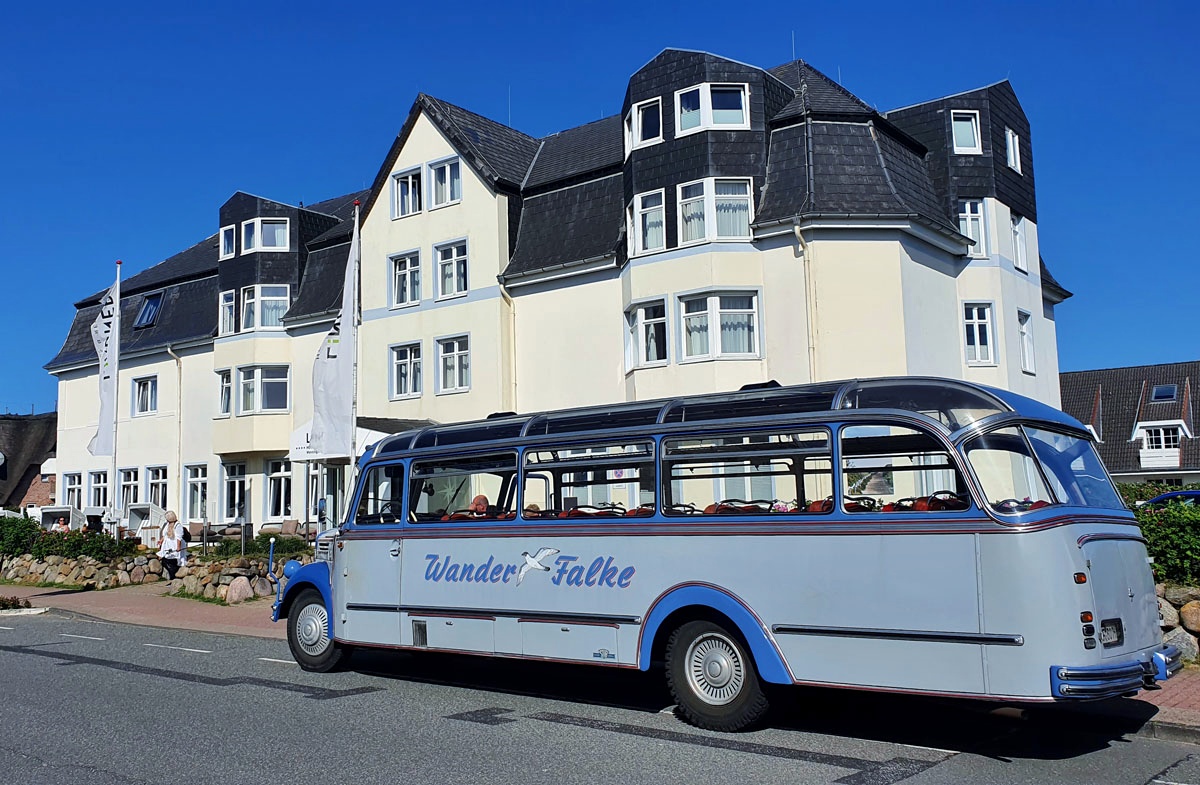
[1007, 471]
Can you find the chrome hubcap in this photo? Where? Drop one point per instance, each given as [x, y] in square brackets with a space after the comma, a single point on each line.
[715, 670]
[311, 624]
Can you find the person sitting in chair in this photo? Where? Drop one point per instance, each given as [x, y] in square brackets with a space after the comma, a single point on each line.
[479, 506]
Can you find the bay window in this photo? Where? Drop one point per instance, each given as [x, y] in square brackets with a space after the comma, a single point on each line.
[648, 232]
[712, 106]
[733, 316]
[646, 334]
[714, 209]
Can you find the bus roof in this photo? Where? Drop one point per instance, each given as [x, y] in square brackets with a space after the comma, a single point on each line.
[953, 402]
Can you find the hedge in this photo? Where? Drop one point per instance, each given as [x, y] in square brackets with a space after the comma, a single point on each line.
[24, 535]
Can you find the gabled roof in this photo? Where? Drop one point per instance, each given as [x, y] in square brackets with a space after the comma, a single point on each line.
[582, 150]
[199, 260]
[1120, 398]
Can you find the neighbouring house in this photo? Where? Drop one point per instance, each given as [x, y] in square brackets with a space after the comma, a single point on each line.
[727, 224]
[27, 451]
[1142, 417]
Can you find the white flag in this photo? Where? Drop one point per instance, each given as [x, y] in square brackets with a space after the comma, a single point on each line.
[332, 433]
[106, 336]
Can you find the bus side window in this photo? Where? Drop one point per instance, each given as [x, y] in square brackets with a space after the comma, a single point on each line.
[381, 501]
[894, 468]
[589, 481]
[463, 488]
[748, 473]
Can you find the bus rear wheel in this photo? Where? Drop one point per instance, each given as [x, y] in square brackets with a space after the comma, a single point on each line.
[713, 679]
[308, 634]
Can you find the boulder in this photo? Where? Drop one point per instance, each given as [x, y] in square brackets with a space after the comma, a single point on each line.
[140, 561]
[210, 591]
[191, 585]
[262, 587]
[240, 563]
[1169, 617]
[1189, 617]
[1160, 589]
[1181, 595]
[221, 592]
[1184, 640]
[150, 577]
[138, 575]
[239, 591]
[155, 566]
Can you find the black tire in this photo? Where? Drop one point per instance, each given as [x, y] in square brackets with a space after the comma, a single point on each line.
[308, 637]
[713, 679]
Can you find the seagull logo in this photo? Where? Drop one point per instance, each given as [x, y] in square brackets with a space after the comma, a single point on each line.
[535, 562]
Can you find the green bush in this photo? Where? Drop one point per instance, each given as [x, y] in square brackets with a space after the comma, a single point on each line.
[13, 603]
[261, 545]
[23, 535]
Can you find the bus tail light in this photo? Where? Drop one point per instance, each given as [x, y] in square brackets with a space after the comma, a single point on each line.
[1085, 617]
[1081, 577]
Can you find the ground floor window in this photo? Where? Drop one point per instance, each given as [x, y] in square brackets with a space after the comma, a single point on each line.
[98, 489]
[197, 493]
[235, 491]
[129, 488]
[73, 490]
[156, 482]
[279, 489]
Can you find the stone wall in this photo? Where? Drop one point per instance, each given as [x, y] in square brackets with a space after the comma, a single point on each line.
[1179, 607]
[230, 580]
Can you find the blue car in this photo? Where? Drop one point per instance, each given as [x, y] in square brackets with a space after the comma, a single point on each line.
[1179, 497]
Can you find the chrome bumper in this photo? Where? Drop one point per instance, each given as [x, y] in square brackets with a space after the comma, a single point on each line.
[1109, 681]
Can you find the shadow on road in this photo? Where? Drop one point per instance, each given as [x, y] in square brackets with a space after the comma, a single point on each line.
[1038, 733]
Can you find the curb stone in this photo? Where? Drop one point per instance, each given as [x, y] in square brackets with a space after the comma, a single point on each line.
[23, 611]
[1170, 731]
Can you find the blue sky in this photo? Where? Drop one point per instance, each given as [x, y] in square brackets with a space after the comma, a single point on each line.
[125, 127]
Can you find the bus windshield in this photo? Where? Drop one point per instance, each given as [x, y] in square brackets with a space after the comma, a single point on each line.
[1025, 468]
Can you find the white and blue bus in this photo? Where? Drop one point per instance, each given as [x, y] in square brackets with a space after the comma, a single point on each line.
[908, 534]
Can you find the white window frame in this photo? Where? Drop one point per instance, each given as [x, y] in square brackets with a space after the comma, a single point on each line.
[1020, 251]
[413, 364]
[635, 218]
[197, 480]
[227, 312]
[150, 384]
[73, 490]
[1154, 398]
[712, 313]
[965, 217]
[972, 323]
[707, 123]
[261, 297]
[433, 167]
[279, 485]
[245, 301]
[400, 207]
[156, 485]
[98, 489]
[224, 392]
[973, 116]
[1025, 339]
[1012, 147]
[130, 485]
[453, 261]
[233, 476]
[1158, 437]
[255, 236]
[460, 353]
[231, 232]
[633, 128]
[148, 315]
[709, 197]
[411, 274]
[253, 374]
[636, 324]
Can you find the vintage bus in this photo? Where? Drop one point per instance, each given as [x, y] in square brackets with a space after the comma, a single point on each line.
[908, 534]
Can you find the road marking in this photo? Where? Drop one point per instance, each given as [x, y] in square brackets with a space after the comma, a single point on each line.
[272, 659]
[177, 648]
[84, 637]
[6, 628]
[932, 749]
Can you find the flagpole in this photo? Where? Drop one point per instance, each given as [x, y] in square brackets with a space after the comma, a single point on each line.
[357, 321]
[114, 485]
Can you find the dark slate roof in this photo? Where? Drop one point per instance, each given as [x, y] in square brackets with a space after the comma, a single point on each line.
[506, 152]
[1114, 400]
[343, 210]
[1051, 288]
[188, 313]
[578, 151]
[25, 441]
[854, 172]
[569, 225]
[200, 259]
[816, 94]
[321, 287]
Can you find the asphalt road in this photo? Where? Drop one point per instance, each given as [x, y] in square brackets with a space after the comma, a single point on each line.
[88, 701]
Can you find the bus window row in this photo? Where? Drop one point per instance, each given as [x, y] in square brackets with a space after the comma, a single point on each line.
[884, 468]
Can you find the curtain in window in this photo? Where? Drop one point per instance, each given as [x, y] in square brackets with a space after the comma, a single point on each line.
[733, 209]
[455, 182]
[695, 327]
[274, 234]
[689, 110]
[691, 209]
[656, 341]
[272, 311]
[248, 390]
[652, 229]
[737, 329]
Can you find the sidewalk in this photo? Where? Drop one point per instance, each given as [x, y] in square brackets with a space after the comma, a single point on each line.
[1171, 713]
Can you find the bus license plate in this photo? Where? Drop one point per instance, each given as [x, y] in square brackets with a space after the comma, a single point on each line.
[1112, 633]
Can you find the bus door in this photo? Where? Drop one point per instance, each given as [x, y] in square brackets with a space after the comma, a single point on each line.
[367, 565]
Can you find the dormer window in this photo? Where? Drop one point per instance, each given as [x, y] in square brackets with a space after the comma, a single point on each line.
[712, 106]
[265, 234]
[1163, 393]
[149, 311]
[967, 140]
[228, 242]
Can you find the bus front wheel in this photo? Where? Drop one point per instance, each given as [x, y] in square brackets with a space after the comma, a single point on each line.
[713, 679]
[308, 634]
